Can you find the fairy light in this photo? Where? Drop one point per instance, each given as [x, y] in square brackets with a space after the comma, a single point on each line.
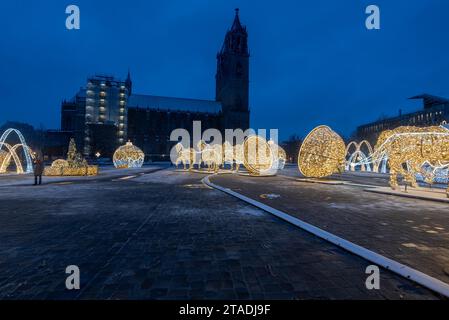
[322, 153]
[258, 157]
[415, 147]
[128, 156]
[75, 165]
[211, 155]
[358, 157]
[186, 156]
[11, 152]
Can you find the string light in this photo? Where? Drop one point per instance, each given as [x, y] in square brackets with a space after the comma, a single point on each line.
[322, 153]
[413, 147]
[211, 155]
[75, 165]
[258, 156]
[186, 156]
[358, 157]
[10, 152]
[128, 156]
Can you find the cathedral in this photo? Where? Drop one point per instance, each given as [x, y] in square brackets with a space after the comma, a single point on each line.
[107, 112]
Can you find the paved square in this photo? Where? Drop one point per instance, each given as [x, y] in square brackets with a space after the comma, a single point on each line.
[159, 234]
[411, 231]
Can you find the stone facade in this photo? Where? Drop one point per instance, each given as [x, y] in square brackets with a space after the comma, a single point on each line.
[148, 120]
[435, 112]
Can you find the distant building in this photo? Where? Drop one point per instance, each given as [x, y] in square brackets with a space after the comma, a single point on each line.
[148, 120]
[151, 119]
[232, 78]
[101, 102]
[435, 112]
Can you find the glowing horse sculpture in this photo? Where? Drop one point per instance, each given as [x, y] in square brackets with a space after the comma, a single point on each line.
[239, 156]
[233, 155]
[211, 155]
[228, 155]
[413, 147]
[186, 156]
[11, 153]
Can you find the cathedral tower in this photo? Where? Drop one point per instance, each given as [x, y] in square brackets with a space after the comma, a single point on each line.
[232, 78]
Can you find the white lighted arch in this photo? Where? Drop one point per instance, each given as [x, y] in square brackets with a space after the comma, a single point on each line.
[358, 157]
[12, 151]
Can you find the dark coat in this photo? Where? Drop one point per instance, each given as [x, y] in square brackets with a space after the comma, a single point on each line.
[38, 167]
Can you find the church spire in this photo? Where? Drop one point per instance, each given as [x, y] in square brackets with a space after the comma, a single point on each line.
[232, 77]
[237, 26]
[236, 39]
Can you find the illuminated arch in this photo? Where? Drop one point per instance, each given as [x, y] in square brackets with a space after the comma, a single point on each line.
[12, 152]
[358, 157]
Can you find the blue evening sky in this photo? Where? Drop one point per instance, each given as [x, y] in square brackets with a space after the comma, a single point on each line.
[312, 62]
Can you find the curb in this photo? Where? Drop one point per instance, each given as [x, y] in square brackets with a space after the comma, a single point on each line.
[389, 264]
[408, 195]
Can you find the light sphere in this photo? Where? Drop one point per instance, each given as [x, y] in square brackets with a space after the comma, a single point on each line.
[128, 156]
[258, 157]
[322, 153]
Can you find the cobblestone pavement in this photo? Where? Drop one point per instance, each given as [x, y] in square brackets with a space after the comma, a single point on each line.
[411, 231]
[164, 235]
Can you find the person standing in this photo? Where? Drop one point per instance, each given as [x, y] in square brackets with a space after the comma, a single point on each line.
[38, 168]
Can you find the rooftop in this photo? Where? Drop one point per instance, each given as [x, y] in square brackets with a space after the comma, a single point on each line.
[430, 100]
[175, 104]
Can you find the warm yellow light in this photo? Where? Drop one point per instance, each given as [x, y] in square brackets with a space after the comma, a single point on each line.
[412, 147]
[258, 156]
[128, 156]
[322, 153]
[75, 165]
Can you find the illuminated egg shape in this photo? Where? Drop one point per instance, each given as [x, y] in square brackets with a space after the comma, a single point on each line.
[322, 153]
[59, 163]
[128, 156]
[258, 157]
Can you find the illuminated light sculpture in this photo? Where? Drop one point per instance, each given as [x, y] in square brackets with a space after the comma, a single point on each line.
[211, 155]
[128, 156]
[358, 157]
[239, 156]
[75, 165]
[60, 163]
[228, 155]
[11, 152]
[322, 153]
[186, 156]
[258, 156]
[281, 157]
[413, 147]
[233, 155]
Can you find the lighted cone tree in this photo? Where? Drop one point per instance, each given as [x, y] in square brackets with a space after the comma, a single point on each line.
[322, 153]
[74, 158]
[75, 165]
